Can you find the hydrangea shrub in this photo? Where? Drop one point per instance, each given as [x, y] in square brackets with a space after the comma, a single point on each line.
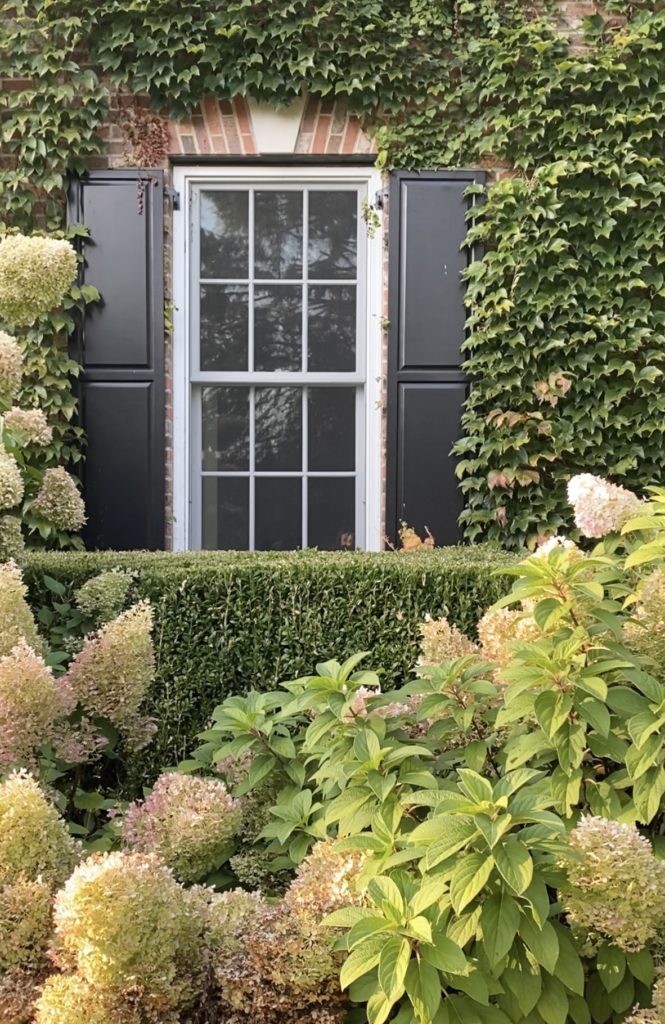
[35, 273]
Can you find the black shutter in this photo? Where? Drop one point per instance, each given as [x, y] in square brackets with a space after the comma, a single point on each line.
[120, 345]
[426, 387]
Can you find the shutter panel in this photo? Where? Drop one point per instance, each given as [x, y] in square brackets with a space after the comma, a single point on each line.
[120, 345]
[426, 386]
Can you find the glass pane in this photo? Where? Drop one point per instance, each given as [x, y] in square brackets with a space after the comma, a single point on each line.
[331, 513]
[278, 429]
[278, 234]
[331, 328]
[278, 327]
[331, 418]
[224, 234]
[224, 328]
[278, 513]
[332, 234]
[225, 428]
[225, 513]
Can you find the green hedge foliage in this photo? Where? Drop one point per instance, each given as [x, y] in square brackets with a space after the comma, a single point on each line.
[229, 622]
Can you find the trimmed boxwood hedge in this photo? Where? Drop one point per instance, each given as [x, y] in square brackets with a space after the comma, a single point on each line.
[226, 622]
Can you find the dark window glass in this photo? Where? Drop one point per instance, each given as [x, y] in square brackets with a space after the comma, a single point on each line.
[331, 418]
[331, 328]
[225, 503]
[225, 428]
[225, 234]
[331, 513]
[332, 251]
[278, 327]
[224, 325]
[278, 234]
[278, 429]
[278, 513]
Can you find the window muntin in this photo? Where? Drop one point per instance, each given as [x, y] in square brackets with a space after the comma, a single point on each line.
[278, 357]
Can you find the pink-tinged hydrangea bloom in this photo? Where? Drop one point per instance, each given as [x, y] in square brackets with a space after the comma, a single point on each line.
[326, 880]
[110, 677]
[16, 619]
[11, 481]
[440, 642]
[615, 888]
[122, 922]
[499, 628]
[599, 506]
[35, 273]
[31, 702]
[11, 367]
[58, 501]
[29, 425]
[34, 840]
[358, 705]
[187, 821]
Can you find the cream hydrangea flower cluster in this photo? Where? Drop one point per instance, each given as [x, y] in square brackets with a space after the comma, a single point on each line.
[600, 507]
[499, 627]
[11, 367]
[187, 821]
[34, 840]
[615, 885]
[32, 701]
[656, 1013]
[110, 677]
[441, 641]
[326, 880]
[12, 544]
[30, 425]
[644, 633]
[59, 502]
[126, 934]
[68, 999]
[102, 597]
[35, 274]
[16, 619]
[25, 924]
[11, 481]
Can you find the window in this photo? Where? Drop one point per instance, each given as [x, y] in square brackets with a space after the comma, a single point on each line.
[277, 355]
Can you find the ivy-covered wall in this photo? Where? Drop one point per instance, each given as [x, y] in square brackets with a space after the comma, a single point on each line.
[566, 308]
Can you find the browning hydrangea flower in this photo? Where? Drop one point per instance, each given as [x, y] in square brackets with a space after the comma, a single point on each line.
[113, 672]
[615, 886]
[30, 425]
[11, 481]
[16, 619]
[103, 597]
[31, 701]
[272, 965]
[25, 924]
[499, 628]
[18, 992]
[11, 367]
[34, 840]
[599, 506]
[440, 641]
[58, 501]
[12, 545]
[187, 821]
[326, 880]
[35, 273]
[122, 921]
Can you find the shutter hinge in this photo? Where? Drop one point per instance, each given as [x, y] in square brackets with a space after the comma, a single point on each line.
[173, 195]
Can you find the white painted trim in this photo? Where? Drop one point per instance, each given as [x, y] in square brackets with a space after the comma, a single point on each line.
[184, 178]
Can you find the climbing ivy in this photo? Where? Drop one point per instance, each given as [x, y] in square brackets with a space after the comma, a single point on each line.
[565, 307]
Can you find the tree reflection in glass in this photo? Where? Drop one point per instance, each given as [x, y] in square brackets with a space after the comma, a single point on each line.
[332, 249]
[278, 230]
[224, 237]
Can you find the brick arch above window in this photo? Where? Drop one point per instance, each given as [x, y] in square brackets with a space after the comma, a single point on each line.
[224, 127]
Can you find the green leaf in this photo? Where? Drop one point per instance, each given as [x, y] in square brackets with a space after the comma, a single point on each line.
[469, 877]
[553, 1003]
[611, 966]
[499, 920]
[393, 964]
[429, 892]
[445, 955]
[361, 960]
[423, 988]
[543, 942]
[514, 863]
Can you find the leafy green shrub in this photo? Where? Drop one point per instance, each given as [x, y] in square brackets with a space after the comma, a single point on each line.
[505, 810]
[228, 621]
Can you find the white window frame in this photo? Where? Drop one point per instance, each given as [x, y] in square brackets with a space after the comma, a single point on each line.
[370, 464]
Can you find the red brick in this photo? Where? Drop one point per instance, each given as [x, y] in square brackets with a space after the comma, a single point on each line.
[321, 134]
[211, 113]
